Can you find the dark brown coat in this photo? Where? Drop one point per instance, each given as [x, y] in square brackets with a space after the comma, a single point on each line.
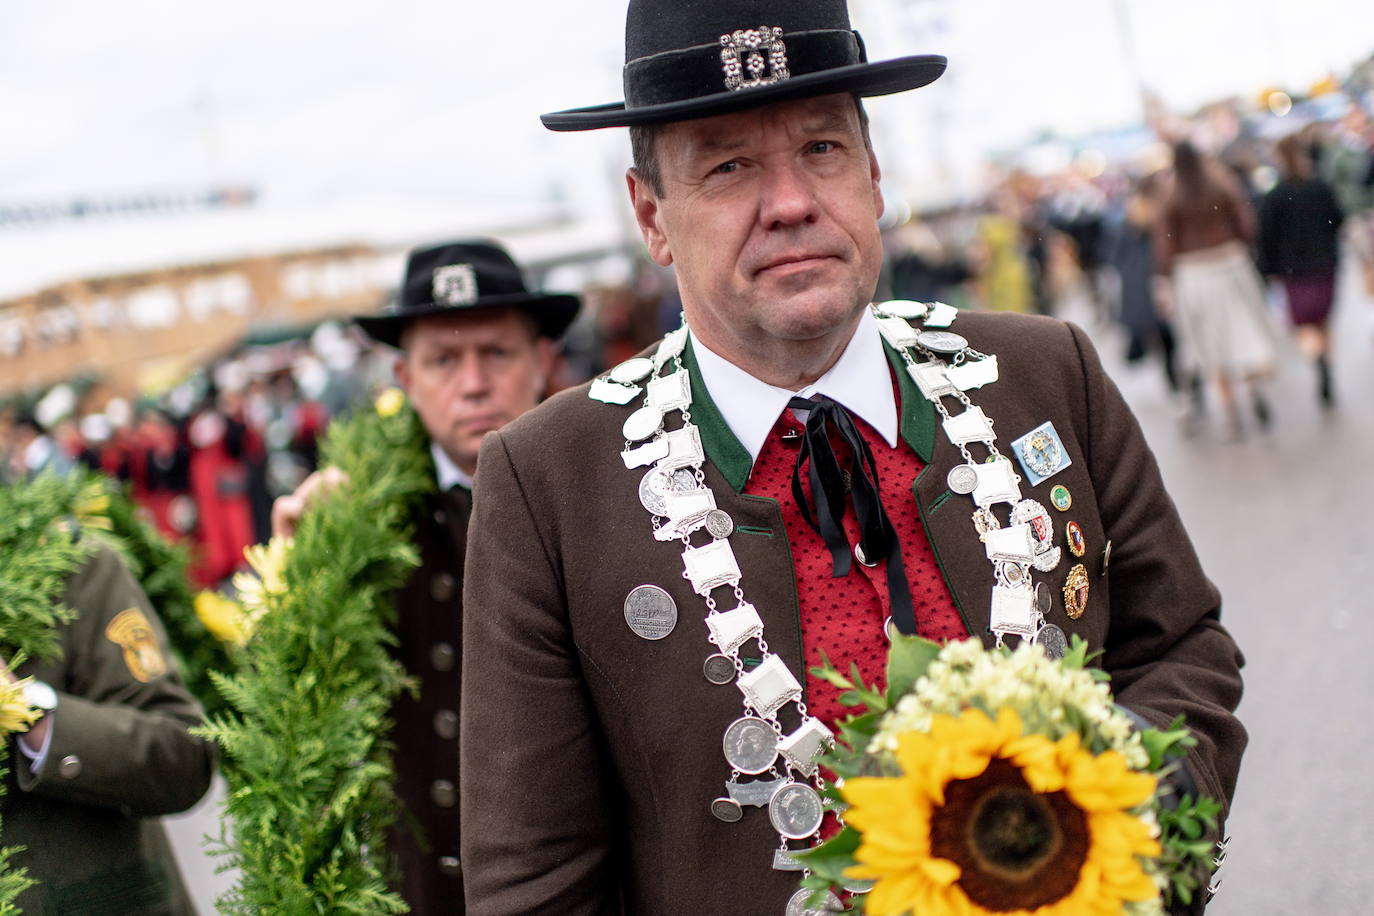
[429, 645]
[590, 755]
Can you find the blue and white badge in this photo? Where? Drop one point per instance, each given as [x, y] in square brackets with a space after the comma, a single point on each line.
[1041, 453]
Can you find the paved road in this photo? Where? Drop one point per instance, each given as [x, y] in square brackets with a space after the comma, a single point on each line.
[1283, 523]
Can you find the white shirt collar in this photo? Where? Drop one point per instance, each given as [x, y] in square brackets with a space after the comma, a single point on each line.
[859, 380]
[448, 472]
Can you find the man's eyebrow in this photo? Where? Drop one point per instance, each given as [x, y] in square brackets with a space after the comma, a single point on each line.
[821, 123]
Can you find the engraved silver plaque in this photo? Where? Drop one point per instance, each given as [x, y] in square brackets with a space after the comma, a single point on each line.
[642, 424]
[670, 392]
[650, 611]
[756, 793]
[719, 524]
[645, 454]
[930, 377]
[1013, 611]
[710, 566]
[897, 332]
[727, 809]
[750, 745]
[796, 811]
[684, 448]
[732, 629]
[1014, 543]
[798, 904]
[997, 483]
[970, 426]
[608, 392]
[1052, 640]
[768, 686]
[686, 512]
[718, 669]
[1047, 560]
[941, 315]
[801, 748]
[784, 861]
[903, 308]
[962, 479]
[974, 373]
[632, 370]
[941, 341]
[670, 347]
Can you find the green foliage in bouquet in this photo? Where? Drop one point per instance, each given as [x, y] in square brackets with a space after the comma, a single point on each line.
[982, 781]
[308, 765]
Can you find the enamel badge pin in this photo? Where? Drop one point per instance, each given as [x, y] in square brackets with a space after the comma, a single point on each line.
[1041, 453]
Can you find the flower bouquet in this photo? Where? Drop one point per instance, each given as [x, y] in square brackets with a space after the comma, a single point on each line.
[994, 781]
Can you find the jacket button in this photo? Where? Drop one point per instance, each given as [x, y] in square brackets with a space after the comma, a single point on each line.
[441, 587]
[446, 724]
[70, 767]
[440, 516]
[450, 866]
[443, 793]
[442, 656]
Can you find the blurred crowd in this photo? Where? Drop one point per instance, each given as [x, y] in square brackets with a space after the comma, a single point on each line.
[1200, 244]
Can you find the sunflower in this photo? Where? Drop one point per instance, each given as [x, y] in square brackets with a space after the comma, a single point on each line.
[983, 819]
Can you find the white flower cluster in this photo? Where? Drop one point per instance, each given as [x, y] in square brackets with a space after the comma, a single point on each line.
[1052, 700]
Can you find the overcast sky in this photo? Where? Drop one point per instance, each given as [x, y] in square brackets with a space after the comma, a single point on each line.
[314, 101]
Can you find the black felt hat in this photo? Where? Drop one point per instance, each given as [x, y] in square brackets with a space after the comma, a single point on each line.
[694, 58]
[464, 277]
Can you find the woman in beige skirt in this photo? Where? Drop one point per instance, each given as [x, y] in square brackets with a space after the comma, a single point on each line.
[1203, 261]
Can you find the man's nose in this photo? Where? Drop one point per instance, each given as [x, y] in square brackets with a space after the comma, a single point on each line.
[788, 197]
[472, 378]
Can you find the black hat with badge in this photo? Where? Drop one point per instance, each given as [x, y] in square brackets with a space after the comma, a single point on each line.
[465, 277]
[695, 58]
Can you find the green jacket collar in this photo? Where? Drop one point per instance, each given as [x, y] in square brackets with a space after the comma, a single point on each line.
[733, 460]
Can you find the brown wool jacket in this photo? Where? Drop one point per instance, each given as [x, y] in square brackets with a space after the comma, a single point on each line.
[590, 755]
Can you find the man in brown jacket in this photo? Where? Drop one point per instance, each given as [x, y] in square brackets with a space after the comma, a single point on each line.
[665, 552]
[112, 751]
[476, 350]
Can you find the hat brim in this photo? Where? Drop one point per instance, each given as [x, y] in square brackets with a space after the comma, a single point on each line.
[866, 79]
[553, 312]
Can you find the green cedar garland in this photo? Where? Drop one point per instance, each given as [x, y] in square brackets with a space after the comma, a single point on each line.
[309, 769]
[38, 551]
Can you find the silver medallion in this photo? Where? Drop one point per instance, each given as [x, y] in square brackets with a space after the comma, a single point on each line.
[941, 315]
[942, 341]
[903, 308]
[858, 886]
[733, 628]
[656, 485]
[650, 611]
[801, 748]
[1011, 573]
[970, 426]
[1044, 598]
[1052, 640]
[1013, 611]
[645, 454]
[750, 745]
[727, 809]
[962, 479]
[670, 347]
[799, 904]
[1047, 560]
[984, 521]
[718, 669]
[642, 424]
[769, 685]
[671, 392]
[896, 332]
[710, 567]
[997, 483]
[974, 373]
[755, 794]
[608, 392]
[719, 524]
[796, 811]
[930, 377]
[632, 370]
[783, 860]
[1030, 512]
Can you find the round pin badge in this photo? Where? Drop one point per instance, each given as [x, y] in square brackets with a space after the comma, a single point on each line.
[650, 611]
[1074, 534]
[1061, 498]
[632, 370]
[942, 341]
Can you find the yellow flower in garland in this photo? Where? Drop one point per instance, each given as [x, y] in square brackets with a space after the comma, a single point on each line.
[223, 617]
[986, 820]
[92, 506]
[269, 562]
[16, 715]
[390, 402]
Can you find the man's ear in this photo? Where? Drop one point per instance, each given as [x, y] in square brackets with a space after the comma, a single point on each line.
[401, 370]
[545, 359]
[647, 215]
[876, 174]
